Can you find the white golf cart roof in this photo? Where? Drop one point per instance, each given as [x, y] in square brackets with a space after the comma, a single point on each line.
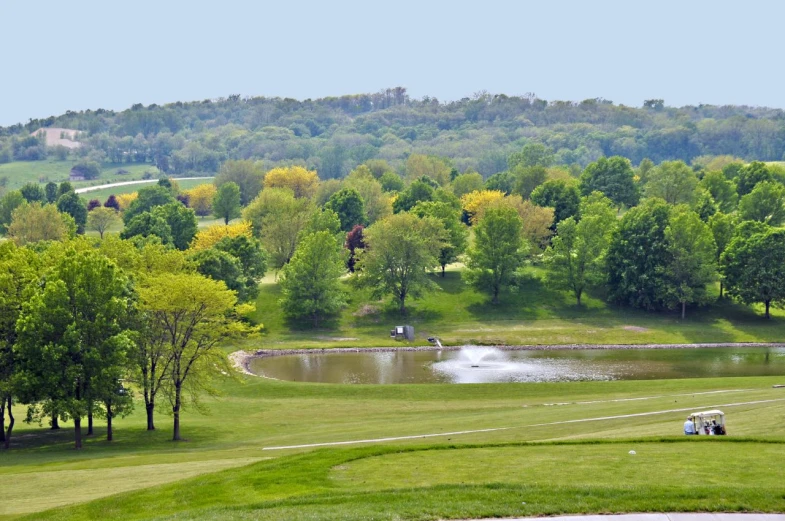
[713, 412]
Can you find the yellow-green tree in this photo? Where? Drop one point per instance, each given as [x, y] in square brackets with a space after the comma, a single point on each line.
[33, 223]
[189, 315]
[101, 219]
[435, 167]
[301, 181]
[200, 198]
[208, 237]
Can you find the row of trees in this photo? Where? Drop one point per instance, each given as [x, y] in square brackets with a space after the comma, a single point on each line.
[662, 253]
[86, 323]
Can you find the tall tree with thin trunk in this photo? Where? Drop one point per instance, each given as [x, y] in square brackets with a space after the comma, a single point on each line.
[753, 268]
[226, 203]
[191, 314]
[692, 253]
[497, 251]
[576, 257]
[399, 252]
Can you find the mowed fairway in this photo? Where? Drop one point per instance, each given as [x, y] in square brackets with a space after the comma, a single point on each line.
[577, 466]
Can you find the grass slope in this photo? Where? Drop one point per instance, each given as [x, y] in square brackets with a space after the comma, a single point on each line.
[21, 172]
[256, 413]
[458, 314]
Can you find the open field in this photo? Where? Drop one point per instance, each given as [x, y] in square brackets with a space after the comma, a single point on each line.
[21, 172]
[459, 315]
[447, 477]
[267, 450]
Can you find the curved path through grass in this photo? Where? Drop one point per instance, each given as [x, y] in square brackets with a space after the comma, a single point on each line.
[87, 189]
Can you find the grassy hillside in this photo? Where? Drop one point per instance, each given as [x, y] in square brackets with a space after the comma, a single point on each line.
[445, 478]
[21, 172]
[535, 314]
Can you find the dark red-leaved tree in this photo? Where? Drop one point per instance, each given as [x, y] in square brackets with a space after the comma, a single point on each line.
[111, 202]
[94, 203]
[354, 241]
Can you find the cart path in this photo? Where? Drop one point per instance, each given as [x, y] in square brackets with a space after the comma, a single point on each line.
[87, 189]
[581, 420]
[682, 516]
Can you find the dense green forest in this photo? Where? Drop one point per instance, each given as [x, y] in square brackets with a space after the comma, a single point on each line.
[334, 135]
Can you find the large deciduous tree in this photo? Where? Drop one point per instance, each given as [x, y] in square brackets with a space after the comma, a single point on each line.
[456, 238]
[277, 218]
[561, 195]
[19, 268]
[614, 177]
[497, 251]
[190, 314]
[301, 181]
[101, 219]
[765, 203]
[722, 226]
[226, 203]
[32, 223]
[72, 340]
[246, 174]
[638, 257]
[310, 283]
[672, 181]
[349, 206]
[692, 263]
[71, 204]
[146, 199]
[399, 252]
[753, 268]
[721, 189]
[576, 257]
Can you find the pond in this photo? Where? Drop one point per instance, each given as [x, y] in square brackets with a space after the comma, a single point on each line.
[488, 365]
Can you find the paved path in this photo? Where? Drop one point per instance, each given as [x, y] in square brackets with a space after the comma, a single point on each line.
[687, 516]
[127, 183]
[655, 517]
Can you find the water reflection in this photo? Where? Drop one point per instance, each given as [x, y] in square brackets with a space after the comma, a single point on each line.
[485, 365]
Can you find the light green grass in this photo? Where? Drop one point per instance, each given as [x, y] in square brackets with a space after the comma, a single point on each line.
[21, 172]
[535, 314]
[551, 479]
[258, 413]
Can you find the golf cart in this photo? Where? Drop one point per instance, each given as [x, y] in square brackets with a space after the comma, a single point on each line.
[709, 422]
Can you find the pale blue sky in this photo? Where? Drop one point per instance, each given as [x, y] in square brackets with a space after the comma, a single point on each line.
[79, 54]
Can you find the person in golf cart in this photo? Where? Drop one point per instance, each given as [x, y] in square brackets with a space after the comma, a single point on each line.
[711, 423]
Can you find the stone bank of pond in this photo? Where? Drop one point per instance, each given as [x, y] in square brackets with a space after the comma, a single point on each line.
[473, 364]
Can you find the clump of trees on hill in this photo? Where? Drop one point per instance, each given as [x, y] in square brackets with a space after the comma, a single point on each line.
[334, 135]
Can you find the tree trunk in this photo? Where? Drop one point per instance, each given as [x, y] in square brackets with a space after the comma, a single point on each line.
[578, 296]
[443, 265]
[77, 432]
[55, 421]
[11, 421]
[176, 412]
[402, 308]
[2, 420]
[768, 303]
[108, 422]
[495, 298]
[720, 289]
[150, 424]
[683, 309]
[90, 422]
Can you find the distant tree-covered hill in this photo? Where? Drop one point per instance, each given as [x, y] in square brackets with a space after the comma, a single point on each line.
[335, 134]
